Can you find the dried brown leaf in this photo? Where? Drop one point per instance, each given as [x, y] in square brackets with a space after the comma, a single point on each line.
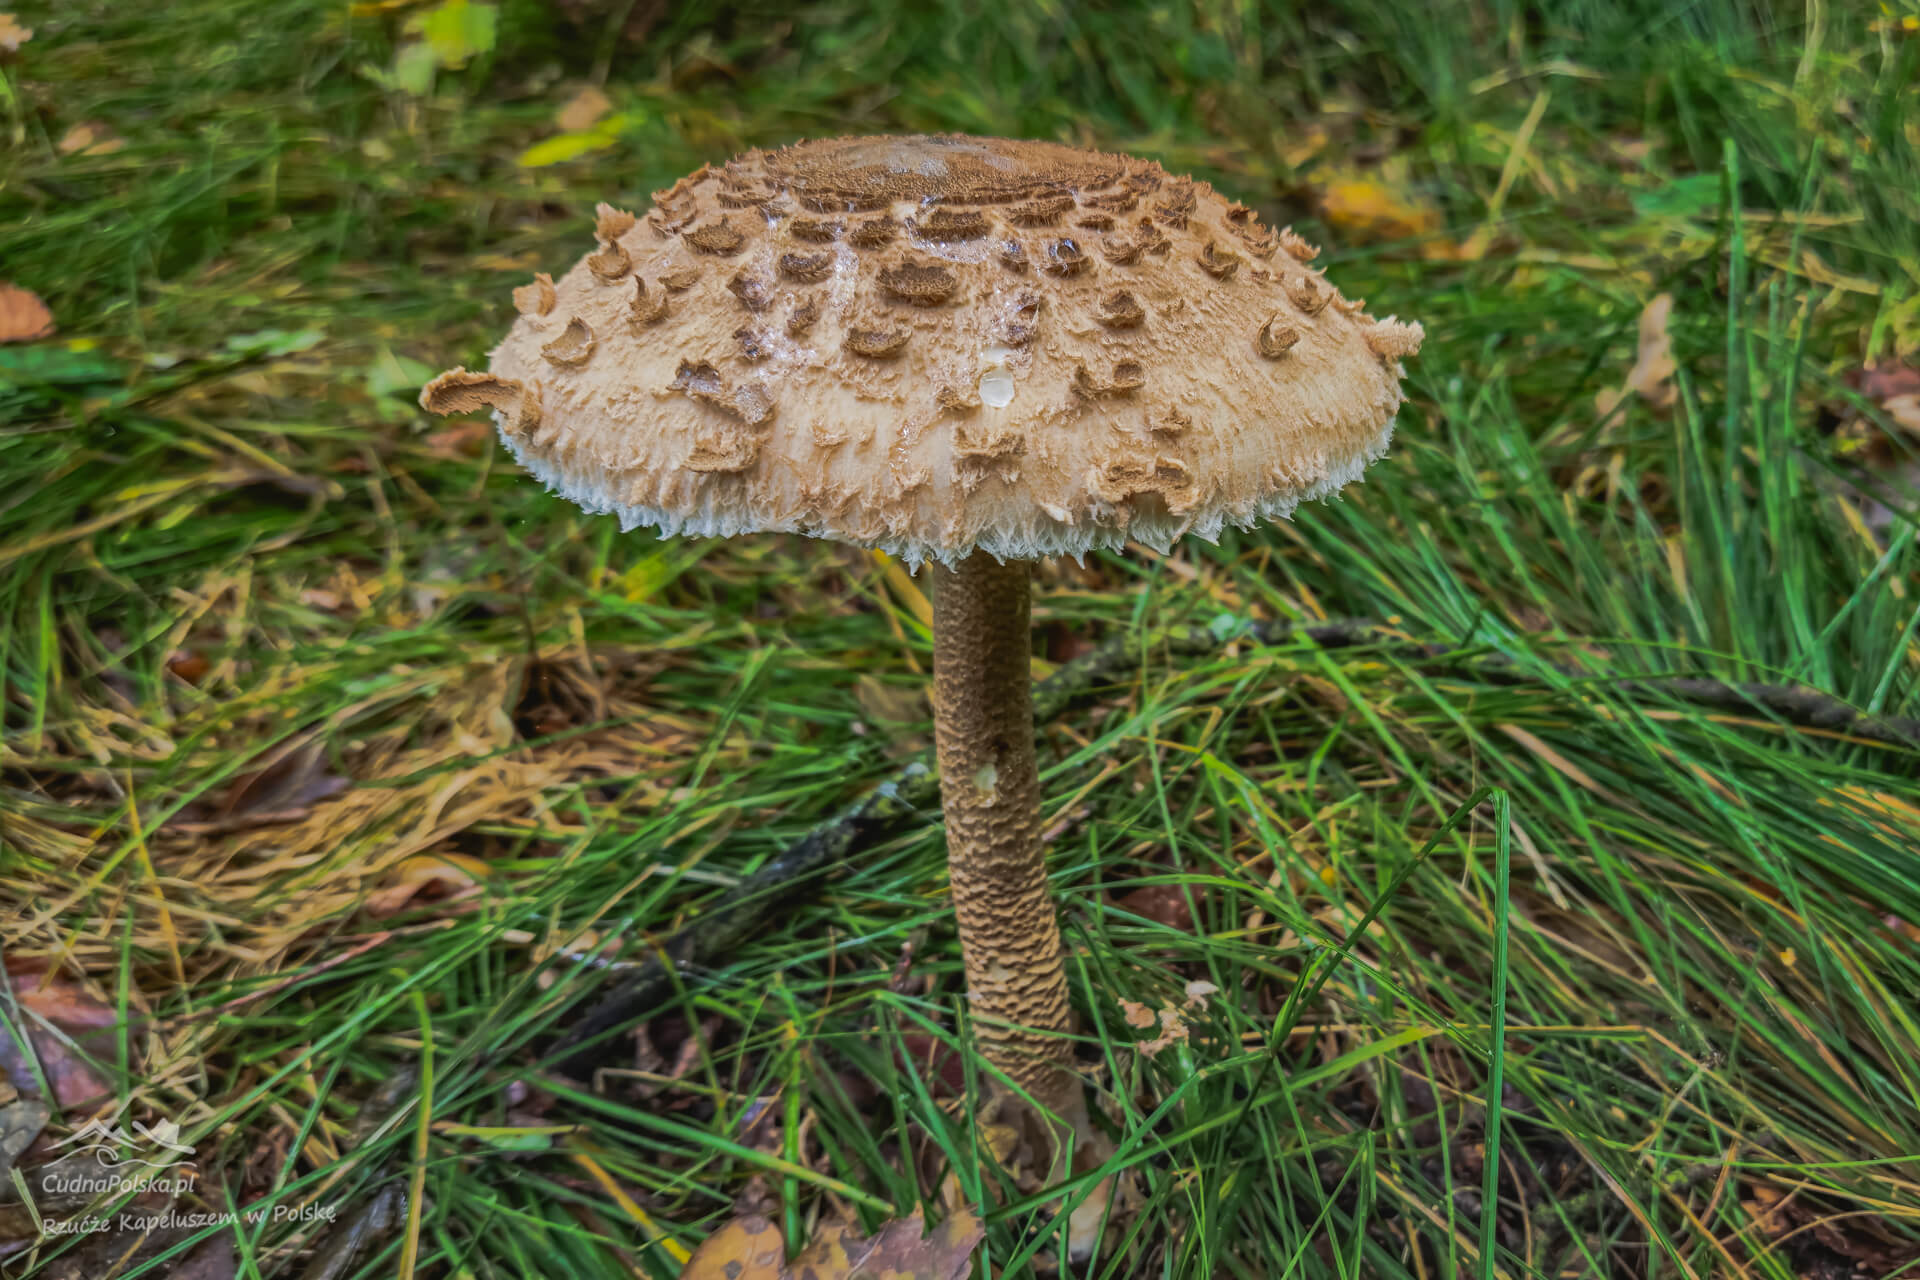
[583, 109]
[12, 34]
[1651, 377]
[444, 877]
[63, 1019]
[750, 1248]
[23, 317]
[90, 138]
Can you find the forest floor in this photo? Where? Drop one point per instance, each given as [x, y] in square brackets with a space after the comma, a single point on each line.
[342, 765]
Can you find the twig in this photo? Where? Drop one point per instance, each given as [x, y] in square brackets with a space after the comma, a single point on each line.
[913, 790]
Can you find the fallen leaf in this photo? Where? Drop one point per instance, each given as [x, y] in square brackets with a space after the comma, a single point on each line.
[742, 1249]
[902, 1249]
[570, 146]
[90, 138]
[23, 317]
[21, 1121]
[583, 109]
[1136, 1014]
[461, 440]
[1164, 904]
[446, 877]
[187, 665]
[456, 30]
[12, 34]
[284, 788]
[64, 1021]
[1894, 387]
[336, 1250]
[1651, 377]
[835, 1250]
[750, 1248]
[1375, 208]
[938, 1061]
[212, 1260]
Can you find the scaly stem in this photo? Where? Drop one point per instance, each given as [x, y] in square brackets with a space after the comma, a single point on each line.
[990, 795]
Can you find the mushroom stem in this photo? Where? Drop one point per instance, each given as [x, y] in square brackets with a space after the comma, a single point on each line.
[990, 796]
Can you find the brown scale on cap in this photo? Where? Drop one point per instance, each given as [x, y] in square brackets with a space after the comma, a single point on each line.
[955, 250]
[953, 399]
[815, 230]
[742, 198]
[877, 344]
[1121, 311]
[610, 223]
[1065, 257]
[753, 343]
[1297, 249]
[1309, 293]
[986, 453]
[804, 316]
[873, 233]
[611, 264]
[724, 454]
[750, 402]
[1042, 212]
[1217, 262]
[1393, 340]
[1276, 342]
[1125, 480]
[951, 224]
[535, 299]
[1177, 205]
[874, 172]
[753, 292]
[457, 391]
[721, 238]
[646, 308]
[920, 284]
[1128, 377]
[1126, 251]
[808, 268]
[573, 347]
[1023, 321]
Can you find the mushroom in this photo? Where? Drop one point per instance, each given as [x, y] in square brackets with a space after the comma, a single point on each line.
[996, 427]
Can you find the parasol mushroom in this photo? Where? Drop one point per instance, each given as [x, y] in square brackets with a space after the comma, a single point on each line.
[970, 353]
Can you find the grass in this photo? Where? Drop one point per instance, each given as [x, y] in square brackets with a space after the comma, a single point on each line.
[329, 740]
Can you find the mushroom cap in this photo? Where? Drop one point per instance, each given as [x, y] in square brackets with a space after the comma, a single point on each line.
[937, 344]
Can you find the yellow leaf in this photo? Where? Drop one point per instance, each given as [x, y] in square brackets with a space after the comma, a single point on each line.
[903, 588]
[1368, 209]
[12, 34]
[566, 146]
[743, 1249]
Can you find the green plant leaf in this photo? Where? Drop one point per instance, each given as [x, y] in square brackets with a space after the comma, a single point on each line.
[457, 30]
